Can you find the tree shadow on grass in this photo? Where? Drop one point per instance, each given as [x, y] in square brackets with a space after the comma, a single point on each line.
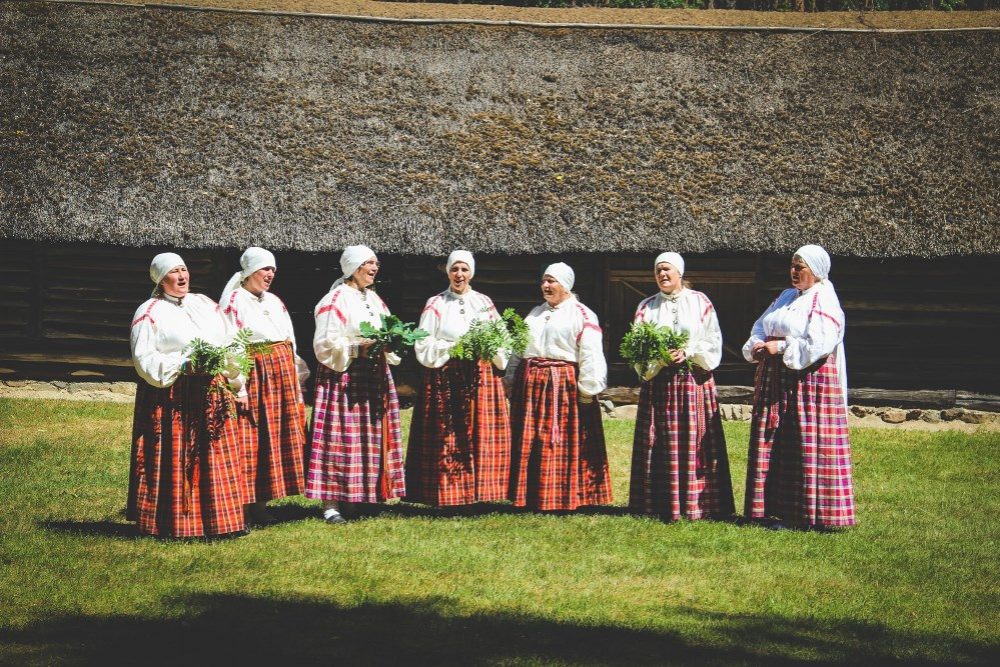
[231, 629]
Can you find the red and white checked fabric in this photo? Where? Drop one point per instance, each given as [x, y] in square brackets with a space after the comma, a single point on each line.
[680, 467]
[559, 460]
[799, 467]
[350, 461]
[273, 430]
[459, 449]
[186, 476]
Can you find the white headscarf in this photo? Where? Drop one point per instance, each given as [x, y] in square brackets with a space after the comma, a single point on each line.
[252, 260]
[461, 256]
[671, 258]
[563, 273]
[817, 259]
[163, 264]
[351, 259]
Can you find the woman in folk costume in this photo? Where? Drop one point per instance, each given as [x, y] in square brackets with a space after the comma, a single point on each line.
[186, 474]
[273, 426]
[680, 468]
[357, 453]
[459, 451]
[558, 457]
[799, 467]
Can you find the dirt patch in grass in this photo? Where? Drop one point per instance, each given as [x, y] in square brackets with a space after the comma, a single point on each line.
[915, 20]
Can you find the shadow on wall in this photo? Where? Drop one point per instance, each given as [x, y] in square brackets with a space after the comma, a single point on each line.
[229, 629]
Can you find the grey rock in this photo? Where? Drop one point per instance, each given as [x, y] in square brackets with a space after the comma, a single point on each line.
[931, 416]
[951, 414]
[971, 417]
[894, 416]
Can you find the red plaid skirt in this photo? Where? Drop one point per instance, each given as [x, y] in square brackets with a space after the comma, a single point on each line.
[185, 475]
[680, 467]
[558, 457]
[799, 467]
[459, 449]
[273, 430]
[350, 460]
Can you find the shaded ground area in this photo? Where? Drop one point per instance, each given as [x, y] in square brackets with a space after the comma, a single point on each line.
[681, 17]
[428, 631]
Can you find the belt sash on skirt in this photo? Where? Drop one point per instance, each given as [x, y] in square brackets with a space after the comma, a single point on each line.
[559, 460]
[680, 467]
[273, 430]
[350, 461]
[459, 448]
[186, 475]
[799, 464]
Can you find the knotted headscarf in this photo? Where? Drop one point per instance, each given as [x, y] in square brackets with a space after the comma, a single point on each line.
[163, 264]
[461, 256]
[563, 273]
[671, 258]
[352, 258]
[252, 260]
[817, 259]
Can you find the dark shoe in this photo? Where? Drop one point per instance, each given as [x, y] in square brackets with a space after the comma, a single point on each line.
[776, 525]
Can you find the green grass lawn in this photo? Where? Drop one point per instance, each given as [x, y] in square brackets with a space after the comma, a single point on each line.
[915, 582]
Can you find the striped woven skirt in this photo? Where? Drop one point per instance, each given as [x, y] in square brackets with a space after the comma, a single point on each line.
[186, 475]
[680, 467]
[799, 467]
[273, 430]
[356, 441]
[558, 457]
[459, 448]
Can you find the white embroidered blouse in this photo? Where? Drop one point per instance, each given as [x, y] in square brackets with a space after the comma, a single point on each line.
[446, 318]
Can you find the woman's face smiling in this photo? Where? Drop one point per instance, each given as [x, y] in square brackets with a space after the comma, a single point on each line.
[259, 281]
[553, 291]
[177, 282]
[459, 275]
[802, 276]
[365, 274]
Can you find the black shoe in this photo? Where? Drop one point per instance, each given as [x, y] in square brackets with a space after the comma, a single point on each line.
[776, 525]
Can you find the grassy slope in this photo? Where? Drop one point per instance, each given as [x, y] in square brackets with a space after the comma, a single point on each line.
[915, 581]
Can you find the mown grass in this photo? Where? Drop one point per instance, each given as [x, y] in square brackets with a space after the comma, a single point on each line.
[915, 582]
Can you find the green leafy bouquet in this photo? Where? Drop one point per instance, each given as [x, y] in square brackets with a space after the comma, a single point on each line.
[393, 334]
[207, 359]
[487, 337]
[213, 361]
[647, 346]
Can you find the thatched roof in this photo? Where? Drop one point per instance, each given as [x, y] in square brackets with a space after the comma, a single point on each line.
[139, 126]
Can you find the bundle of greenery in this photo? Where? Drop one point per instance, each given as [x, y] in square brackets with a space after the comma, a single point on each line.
[487, 337]
[393, 334]
[207, 359]
[647, 347]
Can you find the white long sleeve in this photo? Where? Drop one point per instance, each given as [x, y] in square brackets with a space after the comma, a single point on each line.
[163, 327]
[446, 318]
[339, 315]
[812, 325]
[691, 312]
[568, 332]
[267, 317]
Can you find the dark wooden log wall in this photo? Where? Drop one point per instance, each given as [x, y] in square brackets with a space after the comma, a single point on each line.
[65, 310]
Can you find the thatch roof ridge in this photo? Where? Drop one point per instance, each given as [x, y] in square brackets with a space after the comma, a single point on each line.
[135, 126]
